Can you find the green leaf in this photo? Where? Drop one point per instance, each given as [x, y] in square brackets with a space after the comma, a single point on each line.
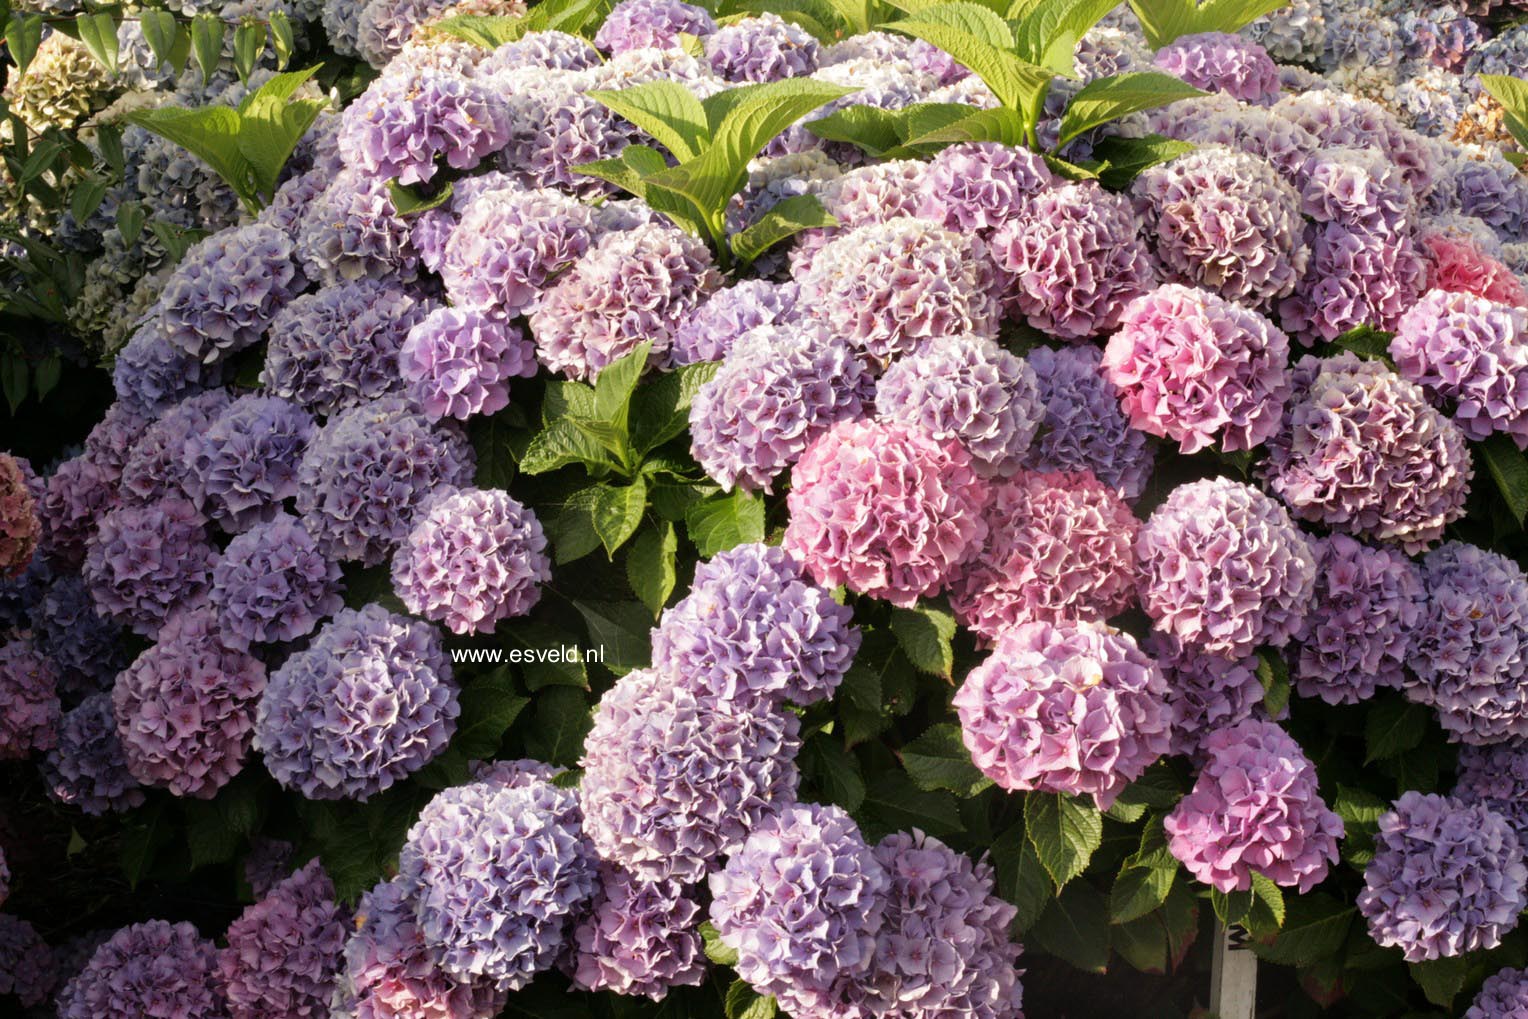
[490, 31]
[1075, 927]
[724, 521]
[1145, 880]
[650, 565]
[211, 134]
[620, 630]
[618, 513]
[833, 771]
[489, 706]
[1273, 673]
[23, 34]
[99, 34]
[939, 760]
[248, 44]
[87, 197]
[899, 804]
[1315, 929]
[562, 443]
[1360, 812]
[1509, 469]
[1021, 879]
[1367, 342]
[1441, 979]
[666, 110]
[283, 42]
[571, 528]
[716, 950]
[161, 31]
[1143, 943]
[1105, 99]
[1047, 32]
[932, 125]
[130, 217]
[1064, 831]
[1017, 84]
[743, 1002]
[145, 833]
[408, 202]
[925, 633]
[786, 219]
[1230, 16]
[216, 828]
[871, 128]
[49, 370]
[206, 44]
[1392, 726]
[272, 124]
[629, 171]
[1124, 158]
[1260, 909]
[970, 19]
[175, 240]
[660, 410]
[616, 382]
[1512, 93]
[1158, 789]
[562, 720]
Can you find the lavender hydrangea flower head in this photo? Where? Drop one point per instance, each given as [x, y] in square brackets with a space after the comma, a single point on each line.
[554, 127]
[1254, 810]
[1354, 278]
[1446, 878]
[1496, 775]
[1502, 996]
[283, 952]
[85, 649]
[764, 47]
[1220, 120]
[709, 333]
[1224, 220]
[1489, 189]
[549, 50]
[472, 558]
[1469, 654]
[151, 373]
[367, 703]
[145, 969]
[1225, 63]
[1471, 353]
[185, 709]
[431, 229]
[1065, 707]
[28, 969]
[885, 509]
[1075, 260]
[639, 938]
[78, 495]
[1363, 452]
[384, 27]
[20, 529]
[459, 363]
[367, 472]
[877, 193]
[1206, 692]
[337, 347]
[634, 286]
[224, 293]
[156, 467]
[389, 972]
[115, 435]
[244, 466]
[674, 779]
[500, 867]
[403, 127]
[1084, 428]
[754, 628]
[272, 583]
[87, 769]
[1059, 547]
[145, 561]
[981, 186]
[642, 24]
[1223, 568]
[1357, 634]
[1339, 119]
[353, 231]
[780, 388]
[1357, 188]
[511, 245]
[801, 903]
[1196, 368]
[29, 693]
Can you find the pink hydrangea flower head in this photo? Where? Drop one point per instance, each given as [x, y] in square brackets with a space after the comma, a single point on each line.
[284, 951]
[78, 494]
[405, 125]
[640, 938]
[1459, 265]
[1219, 62]
[244, 466]
[20, 528]
[156, 466]
[1354, 278]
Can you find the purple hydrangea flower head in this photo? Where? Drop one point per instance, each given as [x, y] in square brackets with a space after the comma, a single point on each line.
[888, 286]
[459, 363]
[555, 127]
[338, 347]
[145, 561]
[290, 202]
[1194, 367]
[778, 390]
[929, 59]
[1363, 452]
[764, 47]
[367, 472]
[267, 864]
[1084, 428]
[367, 703]
[28, 968]
[1254, 809]
[639, 938]
[885, 510]
[1469, 654]
[1059, 547]
[87, 769]
[634, 286]
[389, 972]
[500, 867]
[980, 186]
[1502, 996]
[472, 558]
[1496, 775]
[78, 495]
[384, 27]
[1336, 118]
[353, 231]
[674, 780]
[147, 969]
[1066, 707]
[156, 467]
[244, 466]
[1220, 120]
[1446, 878]
[1225, 63]
[1074, 259]
[29, 697]
[511, 245]
[1226, 221]
[20, 596]
[1206, 692]
[1490, 189]
[272, 583]
[642, 24]
[1223, 568]
[553, 51]
[283, 952]
[1357, 634]
[1471, 353]
[431, 229]
[185, 709]
[754, 628]
[709, 333]
[1357, 188]
[115, 435]
[404, 127]
[224, 293]
[1359, 37]
[86, 649]
[801, 903]
[1354, 278]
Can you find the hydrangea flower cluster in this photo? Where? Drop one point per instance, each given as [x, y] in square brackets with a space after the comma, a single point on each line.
[87, 768]
[20, 528]
[1083, 427]
[1206, 692]
[244, 466]
[273, 584]
[510, 245]
[156, 466]
[29, 693]
[639, 938]
[1496, 775]
[227, 289]
[1471, 353]
[1504, 994]
[1224, 63]
[145, 561]
[403, 127]
[28, 969]
[284, 950]
[151, 968]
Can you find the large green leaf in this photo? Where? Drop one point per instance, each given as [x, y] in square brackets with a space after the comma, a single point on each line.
[1231, 16]
[207, 33]
[490, 31]
[562, 443]
[664, 109]
[618, 513]
[725, 521]
[1047, 32]
[975, 20]
[1509, 469]
[871, 128]
[925, 633]
[1017, 83]
[939, 124]
[1021, 878]
[616, 382]
[1315, 928]
[1393, 726]
[1145, 880]
[939, 760]
[162, 32]
[98, 32]
[660, 409]
[1260, 908]
[1075, 927]
[1441, 979]
[1065, 832]
[650, 565]
[211, 134]
[1119, 95]
[620, 629]
[1123, 159]
[900, 805]
[833, 772]
[786, 219]
[560, 721]
[248, 44]
[272, 127]
[23, 34]
[1512, 93]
